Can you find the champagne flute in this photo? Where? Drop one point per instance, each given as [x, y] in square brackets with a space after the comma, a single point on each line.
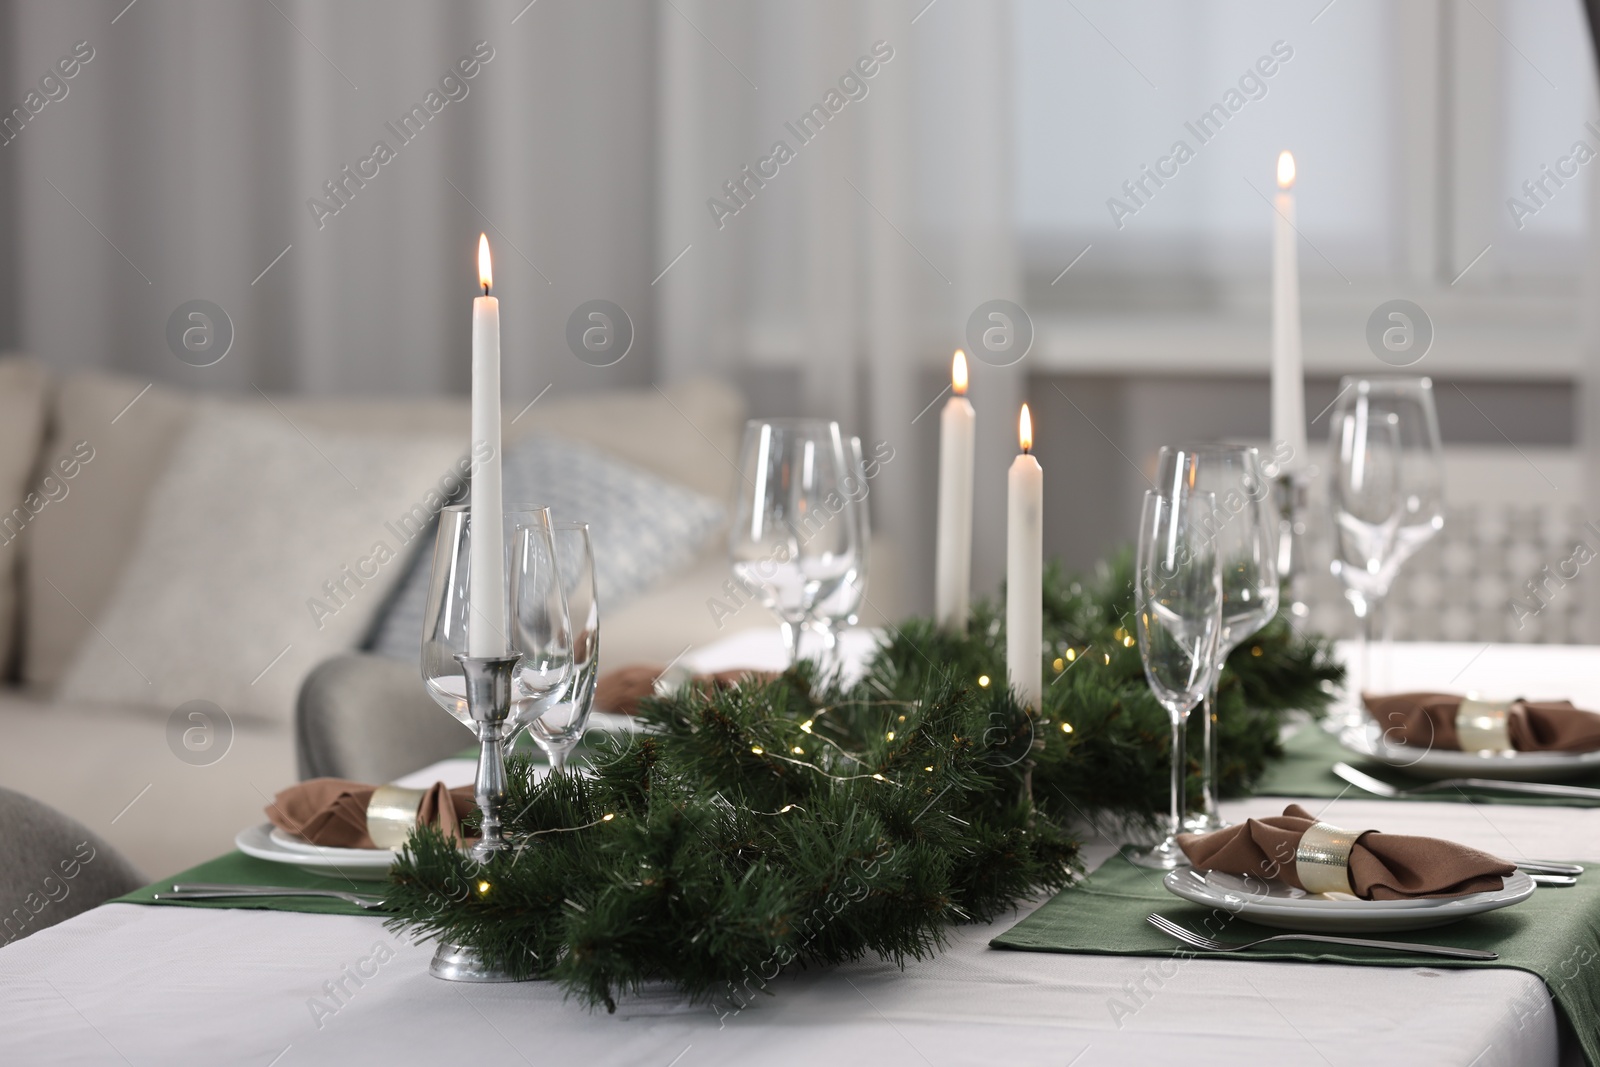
[1244, 531]
[1387, 497]
[791, 544]
[540, 636]
[842, 608]
[1178, 600]
[560, 723]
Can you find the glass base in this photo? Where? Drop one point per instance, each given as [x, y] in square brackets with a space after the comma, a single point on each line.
[1201, 823]
[1166, 856]
[458, 963]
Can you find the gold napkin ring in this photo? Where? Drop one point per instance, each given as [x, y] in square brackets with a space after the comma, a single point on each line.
[1482, 727]
[1322, 859]
[392, 814]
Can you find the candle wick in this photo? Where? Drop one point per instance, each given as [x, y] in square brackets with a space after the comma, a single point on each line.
[485, 288]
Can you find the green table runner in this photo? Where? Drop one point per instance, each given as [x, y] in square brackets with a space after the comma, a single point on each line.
[1306, 770]
[1554, 934]
[235, 868]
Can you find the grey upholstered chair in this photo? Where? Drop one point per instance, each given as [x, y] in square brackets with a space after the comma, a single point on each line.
[369, 719]
[52, 867]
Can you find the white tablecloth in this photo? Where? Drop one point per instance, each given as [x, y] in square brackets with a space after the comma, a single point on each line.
[174, 986]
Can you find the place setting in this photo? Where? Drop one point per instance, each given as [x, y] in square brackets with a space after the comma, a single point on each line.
[1297, 886]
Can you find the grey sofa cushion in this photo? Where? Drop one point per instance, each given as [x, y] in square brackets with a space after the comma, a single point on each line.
[369, 719]
[52, 867]
[643, 528]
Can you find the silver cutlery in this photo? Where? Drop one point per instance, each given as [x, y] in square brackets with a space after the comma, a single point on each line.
[1482, 785]
[1557, 880]
[209, 891]
[1194, 940]
[1550, 867]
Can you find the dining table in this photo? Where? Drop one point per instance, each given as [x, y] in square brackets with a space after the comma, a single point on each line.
[138, 984]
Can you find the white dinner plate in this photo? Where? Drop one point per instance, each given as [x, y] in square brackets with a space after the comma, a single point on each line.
[1433, 764]
[267, 842]
[1277, 905]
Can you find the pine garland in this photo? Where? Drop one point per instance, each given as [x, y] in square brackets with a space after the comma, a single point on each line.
[798, 822]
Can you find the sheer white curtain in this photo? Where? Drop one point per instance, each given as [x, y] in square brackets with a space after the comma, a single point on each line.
[180, 164]
[184, 160]
[857, 261]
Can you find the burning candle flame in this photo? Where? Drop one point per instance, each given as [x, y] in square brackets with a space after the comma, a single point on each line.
[1025, 429]
[958, 373]
[485, 269]
[1285, 170]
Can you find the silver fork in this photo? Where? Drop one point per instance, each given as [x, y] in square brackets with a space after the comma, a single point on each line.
[210, 891]
[1362, 780]
[1200, 941]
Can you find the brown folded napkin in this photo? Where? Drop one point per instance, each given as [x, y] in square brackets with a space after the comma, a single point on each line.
[1382, 866]
[622, 689]
[333, 812]
[1429, 719]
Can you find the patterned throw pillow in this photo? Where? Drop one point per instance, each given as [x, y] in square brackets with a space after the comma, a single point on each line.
[642, 528]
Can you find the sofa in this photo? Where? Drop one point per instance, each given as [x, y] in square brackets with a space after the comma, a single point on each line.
[163, 546]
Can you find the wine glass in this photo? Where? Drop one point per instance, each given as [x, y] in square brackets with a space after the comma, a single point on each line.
[792, 545]
[559, 724]
[1178, 600]
[539, 633]
[842, 608]
[1387, 495]
[1244, 532]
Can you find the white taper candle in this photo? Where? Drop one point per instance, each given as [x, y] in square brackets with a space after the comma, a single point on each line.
[952, 589]
[1288, 374]
[1024, 570]
[487, 592]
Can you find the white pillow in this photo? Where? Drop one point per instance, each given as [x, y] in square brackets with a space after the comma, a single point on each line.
[262, 552]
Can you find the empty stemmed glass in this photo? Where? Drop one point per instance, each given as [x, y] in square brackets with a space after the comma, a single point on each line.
[1244, 534]
[1386, 494]
[792, 544]
[1178, 601]
[842, 608]
[559, 723]
[539, 633]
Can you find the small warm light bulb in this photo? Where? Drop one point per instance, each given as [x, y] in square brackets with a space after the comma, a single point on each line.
[889, 736]
[1107, 656]
[485, 268]
[1066, 727]
[757, 749]
[483, 887]
[1025, 429]
[786, 807]
[880, 777]
[798, 751]
[1072, 654]
[958, 373]
[805, 727]
[928, 769]
[983, 680]
[607, 817]
[1059, 664]
[1285, 170]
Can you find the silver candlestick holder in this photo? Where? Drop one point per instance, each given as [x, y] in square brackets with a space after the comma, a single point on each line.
[488, 680]
[1292, 491]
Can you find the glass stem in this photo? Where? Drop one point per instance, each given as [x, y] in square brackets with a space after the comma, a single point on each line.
[1369, 631]
[1208, 755]
[558, 757]
[791, 640]
[1379, 680]
[1180, 758]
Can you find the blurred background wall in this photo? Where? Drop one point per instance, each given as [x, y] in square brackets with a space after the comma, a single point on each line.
[983, 158]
